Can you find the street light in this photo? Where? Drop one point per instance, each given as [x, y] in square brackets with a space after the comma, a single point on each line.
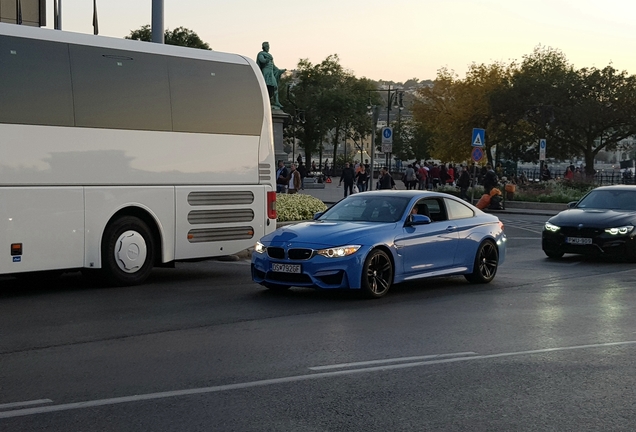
[392, 94]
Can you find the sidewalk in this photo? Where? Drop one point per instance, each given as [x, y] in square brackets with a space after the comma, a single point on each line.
[333, 193]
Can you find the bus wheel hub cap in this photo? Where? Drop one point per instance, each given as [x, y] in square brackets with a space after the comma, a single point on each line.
[130, 251]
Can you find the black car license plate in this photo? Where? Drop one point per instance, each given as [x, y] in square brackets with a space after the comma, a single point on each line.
[286, 268]
[578, 240]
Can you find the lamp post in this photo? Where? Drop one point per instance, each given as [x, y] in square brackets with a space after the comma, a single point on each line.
[392, 94]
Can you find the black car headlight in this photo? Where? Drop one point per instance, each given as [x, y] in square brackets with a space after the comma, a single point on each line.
[338, 252]
[259, 248]
[620, 230]
[551, 227]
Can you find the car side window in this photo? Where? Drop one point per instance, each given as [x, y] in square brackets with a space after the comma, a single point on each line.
[457, 210]
[434, 207]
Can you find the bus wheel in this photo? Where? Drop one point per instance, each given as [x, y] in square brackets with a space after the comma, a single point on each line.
[127, 252]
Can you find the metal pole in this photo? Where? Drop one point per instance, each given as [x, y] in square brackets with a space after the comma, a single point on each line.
[157, 21]
[59, 14]
[388, 123]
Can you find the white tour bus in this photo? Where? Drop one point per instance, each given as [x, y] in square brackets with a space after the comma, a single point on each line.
[122, 155]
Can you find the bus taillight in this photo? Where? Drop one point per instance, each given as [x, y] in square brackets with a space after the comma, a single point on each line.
[271, 205]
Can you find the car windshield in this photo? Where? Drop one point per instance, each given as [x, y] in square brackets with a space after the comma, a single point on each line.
[609, 199]
[361, 208]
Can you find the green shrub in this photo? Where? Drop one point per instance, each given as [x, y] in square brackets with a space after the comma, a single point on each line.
[296, 207]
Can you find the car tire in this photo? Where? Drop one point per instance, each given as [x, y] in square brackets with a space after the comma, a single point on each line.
[377, 274]
[128, 252]
[486, 263]
[276, 287]
[553, 254]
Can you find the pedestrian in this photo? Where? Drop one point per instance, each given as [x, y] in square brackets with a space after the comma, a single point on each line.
[386, 182]
[422, 177]
[281, 177]
[293, 180]
[362, 177]
[302, 169]
[410, 180]
[490, 179]
[347, 178]
[464, 183]
[434, 173]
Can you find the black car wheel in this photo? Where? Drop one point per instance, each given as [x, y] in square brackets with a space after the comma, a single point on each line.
[377, 274]
[486, 263]
[553, 254]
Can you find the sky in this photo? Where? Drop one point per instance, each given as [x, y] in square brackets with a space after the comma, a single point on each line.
[391, 40]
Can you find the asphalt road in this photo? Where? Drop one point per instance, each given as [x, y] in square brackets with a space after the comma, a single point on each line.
[548, 345]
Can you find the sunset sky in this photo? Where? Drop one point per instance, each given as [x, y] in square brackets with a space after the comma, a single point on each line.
[394, 40]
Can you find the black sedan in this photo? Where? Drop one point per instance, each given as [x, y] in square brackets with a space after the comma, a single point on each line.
[600, 223]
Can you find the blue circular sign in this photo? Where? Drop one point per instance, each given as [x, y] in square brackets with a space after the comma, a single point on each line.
[477, 154]
[387, 133]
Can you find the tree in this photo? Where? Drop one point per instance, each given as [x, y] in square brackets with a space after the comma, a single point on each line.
[179, 36]
[333, 101]
[579, 112]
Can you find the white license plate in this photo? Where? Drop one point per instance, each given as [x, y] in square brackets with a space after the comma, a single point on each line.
[578, 240]
[286, 268]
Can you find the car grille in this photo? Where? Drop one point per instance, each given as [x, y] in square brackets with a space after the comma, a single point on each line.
[292, 254]
[583, 232]
[295, 278]
[299, 254]
[276, 252]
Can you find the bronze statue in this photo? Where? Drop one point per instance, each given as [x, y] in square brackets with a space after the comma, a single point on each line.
[271, 74]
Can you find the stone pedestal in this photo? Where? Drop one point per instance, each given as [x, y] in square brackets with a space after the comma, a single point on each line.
[279, 119]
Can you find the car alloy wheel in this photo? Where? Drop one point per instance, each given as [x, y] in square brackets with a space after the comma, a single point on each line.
[486, 263]
[377, 274]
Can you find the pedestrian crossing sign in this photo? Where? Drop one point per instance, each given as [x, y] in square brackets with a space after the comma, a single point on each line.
[479, 137]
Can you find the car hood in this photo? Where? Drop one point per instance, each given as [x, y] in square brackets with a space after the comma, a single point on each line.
[326, 233]
[593, 218]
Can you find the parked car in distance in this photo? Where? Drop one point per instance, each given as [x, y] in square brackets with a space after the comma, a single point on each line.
[600, 223]
[371, 240]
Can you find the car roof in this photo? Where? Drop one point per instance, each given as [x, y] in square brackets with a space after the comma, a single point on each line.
[618, 187]
[403, 193]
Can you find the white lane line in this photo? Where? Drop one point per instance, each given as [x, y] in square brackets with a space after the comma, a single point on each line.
[284, 380]
[25, 403]
[391, 360]
[523, 238]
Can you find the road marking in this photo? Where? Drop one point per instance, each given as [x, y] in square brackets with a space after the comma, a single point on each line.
[25, 403]
[285, 380]
[392, 360]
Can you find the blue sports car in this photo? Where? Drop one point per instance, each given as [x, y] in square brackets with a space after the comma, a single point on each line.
[371, 240]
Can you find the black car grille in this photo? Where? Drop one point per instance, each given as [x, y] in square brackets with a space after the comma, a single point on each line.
[276, 252]
[292, 254]
[299, 254]
[581, 232]
[298, 278]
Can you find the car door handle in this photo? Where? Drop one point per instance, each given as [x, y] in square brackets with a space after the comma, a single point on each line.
[451, 228]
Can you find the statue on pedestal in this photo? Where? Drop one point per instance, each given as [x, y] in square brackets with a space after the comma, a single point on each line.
[271, 74]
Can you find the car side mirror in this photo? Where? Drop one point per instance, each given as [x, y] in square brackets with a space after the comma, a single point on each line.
[416, 219]
[572, 204]
[317, 215]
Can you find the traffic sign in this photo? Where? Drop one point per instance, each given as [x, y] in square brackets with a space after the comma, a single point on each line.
[387, 135]
[479, 137]
[542, 146]
[477, 154]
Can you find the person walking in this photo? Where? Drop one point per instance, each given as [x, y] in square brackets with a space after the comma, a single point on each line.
[347, 178]
[410, 180]
[386, 182]
[362, 177]
[281, 177]
[293, 180]
[490, 179]
[464, 183]
[422, 177]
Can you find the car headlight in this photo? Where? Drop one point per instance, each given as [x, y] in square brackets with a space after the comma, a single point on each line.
[551, 227]
[338, 252]
[259, 248]
[620, 230]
